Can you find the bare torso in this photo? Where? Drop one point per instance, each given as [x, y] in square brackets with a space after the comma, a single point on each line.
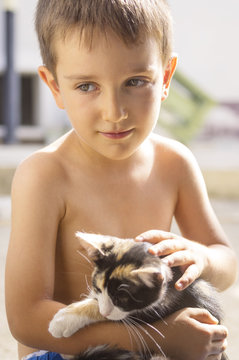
[122, 206]
[112, 202]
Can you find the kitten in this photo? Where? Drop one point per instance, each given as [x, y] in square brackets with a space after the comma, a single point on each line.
[133, 286]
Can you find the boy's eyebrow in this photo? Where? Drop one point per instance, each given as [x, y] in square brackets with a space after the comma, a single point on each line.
[137, 70]
[143, 69]
[79, 77]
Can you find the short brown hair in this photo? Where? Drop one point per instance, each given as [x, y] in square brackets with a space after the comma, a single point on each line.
[129, 19]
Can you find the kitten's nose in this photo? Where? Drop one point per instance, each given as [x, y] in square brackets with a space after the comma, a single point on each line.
[106, 307]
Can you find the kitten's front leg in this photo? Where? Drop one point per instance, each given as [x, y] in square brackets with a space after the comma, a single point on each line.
[74, 317]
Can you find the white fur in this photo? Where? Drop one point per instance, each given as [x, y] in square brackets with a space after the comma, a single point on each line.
[71, 318]
[65, 324]
[117, 314]
[105, 304]
[108, 309]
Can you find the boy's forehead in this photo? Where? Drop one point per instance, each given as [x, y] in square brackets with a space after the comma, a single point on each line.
[108, 50]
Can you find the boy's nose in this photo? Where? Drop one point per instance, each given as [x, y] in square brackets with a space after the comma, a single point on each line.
[113, 108]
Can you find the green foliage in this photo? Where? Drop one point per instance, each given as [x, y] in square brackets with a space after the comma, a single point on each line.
[184, 111]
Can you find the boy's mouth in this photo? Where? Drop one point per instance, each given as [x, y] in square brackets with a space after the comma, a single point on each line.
[116, 134]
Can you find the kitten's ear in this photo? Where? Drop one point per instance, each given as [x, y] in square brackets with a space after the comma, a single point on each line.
[148, 275]
[90, 242]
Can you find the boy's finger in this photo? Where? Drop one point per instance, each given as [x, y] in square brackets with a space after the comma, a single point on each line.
[217, 347]
[167, 247]
[154, 236]
[177, 256]
[203, 316]
[220, 333]
[189, 276]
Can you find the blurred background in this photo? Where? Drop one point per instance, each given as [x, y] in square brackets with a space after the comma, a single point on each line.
[202, 111]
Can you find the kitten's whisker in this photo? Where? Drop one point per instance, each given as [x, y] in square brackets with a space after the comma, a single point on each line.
[129, 330]
[84, 265]
[149, 325]
[136, 332]
[87, 284]
[149, 335]
[156, 312]
[135, 325]
[132, 331]
[85, 257]
[84, 295]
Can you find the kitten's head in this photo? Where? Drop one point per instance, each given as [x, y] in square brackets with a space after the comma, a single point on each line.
[126, 276]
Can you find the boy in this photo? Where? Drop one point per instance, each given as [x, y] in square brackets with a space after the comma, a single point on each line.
[108, 64]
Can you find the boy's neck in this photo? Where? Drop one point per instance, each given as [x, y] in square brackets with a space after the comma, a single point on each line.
[92, 159]
[136, 166]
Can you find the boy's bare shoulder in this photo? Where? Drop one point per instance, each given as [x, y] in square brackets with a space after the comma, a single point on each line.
[41, 165]
[42, 171]
[170, 149]
[49, 159]
[177, 162]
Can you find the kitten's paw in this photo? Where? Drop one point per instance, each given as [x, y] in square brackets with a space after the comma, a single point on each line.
[65, 324]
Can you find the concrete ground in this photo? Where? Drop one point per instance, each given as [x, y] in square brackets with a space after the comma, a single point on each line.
[228, 213]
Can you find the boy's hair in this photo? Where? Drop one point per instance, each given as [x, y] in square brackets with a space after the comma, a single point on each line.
[131, 20]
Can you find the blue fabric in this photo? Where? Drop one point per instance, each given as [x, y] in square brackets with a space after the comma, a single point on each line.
[47, 356]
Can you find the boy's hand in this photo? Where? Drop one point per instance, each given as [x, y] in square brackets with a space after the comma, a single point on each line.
[191, 256]
[195, 335]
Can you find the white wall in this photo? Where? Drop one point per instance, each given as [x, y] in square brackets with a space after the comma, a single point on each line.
[28, 55]
[206, 39]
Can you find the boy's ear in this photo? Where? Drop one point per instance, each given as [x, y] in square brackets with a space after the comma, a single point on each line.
[49, 79]
[168, 74]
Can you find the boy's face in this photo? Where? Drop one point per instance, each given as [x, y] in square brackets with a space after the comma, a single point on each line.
[112, 93]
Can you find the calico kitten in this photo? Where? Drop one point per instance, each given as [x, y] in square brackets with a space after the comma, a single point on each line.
[133, 286]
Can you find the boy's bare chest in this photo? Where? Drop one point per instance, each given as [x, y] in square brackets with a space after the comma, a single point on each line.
[123, 211]
[120, 209]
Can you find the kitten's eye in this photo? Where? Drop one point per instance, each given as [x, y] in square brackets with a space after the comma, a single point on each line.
[121, 294]
[123, 298]
[120, 299]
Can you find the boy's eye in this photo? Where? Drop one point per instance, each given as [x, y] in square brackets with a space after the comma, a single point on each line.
[136, 82]
[87, 87]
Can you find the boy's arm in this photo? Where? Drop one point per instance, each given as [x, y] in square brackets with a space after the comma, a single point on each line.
[198, 222]
[203, 250]
[37, 210]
